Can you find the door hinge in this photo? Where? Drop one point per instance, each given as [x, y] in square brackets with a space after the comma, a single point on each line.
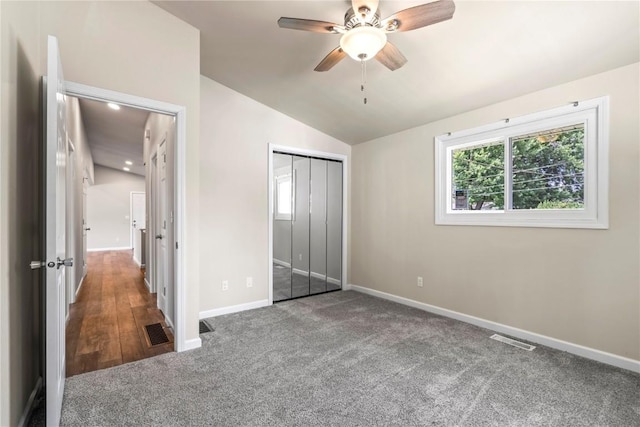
[176, 245]
[36, 264]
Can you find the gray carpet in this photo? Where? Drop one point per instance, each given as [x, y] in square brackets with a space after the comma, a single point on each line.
[348, 359]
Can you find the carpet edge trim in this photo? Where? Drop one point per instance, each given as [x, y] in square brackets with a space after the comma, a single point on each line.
[577, 349]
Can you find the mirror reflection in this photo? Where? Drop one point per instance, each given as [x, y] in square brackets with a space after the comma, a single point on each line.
[307, 226]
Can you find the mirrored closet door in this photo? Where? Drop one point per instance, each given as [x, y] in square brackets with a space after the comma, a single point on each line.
[307, 226]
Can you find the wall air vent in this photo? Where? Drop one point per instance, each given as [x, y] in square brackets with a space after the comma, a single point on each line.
[514, 343]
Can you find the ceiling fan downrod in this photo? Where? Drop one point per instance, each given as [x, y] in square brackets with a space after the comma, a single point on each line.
[363, 76]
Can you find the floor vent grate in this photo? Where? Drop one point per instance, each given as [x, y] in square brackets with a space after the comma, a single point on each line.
[514, 343]
[204, 328]
[156, 334]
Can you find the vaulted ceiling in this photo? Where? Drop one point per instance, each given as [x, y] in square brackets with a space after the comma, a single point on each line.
[115, 136]
[489, 52]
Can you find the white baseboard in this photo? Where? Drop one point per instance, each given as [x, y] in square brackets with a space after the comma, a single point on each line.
[233, 309]
[579, 350]
[169, 322]
[190, 345]
[119, 248]
[146, 282]
[79, 286]
[282, 263]
[138, 263]
[300, 272]
[28, 409]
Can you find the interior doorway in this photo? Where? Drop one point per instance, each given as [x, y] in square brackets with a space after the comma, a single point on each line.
[129, 323]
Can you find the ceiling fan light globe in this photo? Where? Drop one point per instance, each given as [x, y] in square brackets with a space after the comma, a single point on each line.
[363, 43]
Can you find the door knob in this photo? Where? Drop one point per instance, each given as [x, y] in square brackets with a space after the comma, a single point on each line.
[68, 262]
[159, 236]
[87, 229]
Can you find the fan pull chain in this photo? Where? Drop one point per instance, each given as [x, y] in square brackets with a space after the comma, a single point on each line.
[363, 79]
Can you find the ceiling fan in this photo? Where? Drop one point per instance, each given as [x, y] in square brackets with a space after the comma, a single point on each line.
[364, 34]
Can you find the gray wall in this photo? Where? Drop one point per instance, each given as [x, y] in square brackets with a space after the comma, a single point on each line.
[20, 210]
[575, 285]
[108, 208]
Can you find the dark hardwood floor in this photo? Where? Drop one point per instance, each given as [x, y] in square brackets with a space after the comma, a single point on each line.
[106, 325]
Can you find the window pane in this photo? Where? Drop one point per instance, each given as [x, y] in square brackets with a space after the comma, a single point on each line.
[478, 177]
[548, 169]
[284, 196]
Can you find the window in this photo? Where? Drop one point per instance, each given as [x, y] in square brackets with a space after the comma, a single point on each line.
[547, 169]
[283, 205]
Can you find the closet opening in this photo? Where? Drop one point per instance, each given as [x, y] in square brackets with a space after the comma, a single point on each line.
[307, 223]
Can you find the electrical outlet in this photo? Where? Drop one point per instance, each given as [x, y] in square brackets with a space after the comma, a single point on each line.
[249, 282]
[420, 282]
[225, 285]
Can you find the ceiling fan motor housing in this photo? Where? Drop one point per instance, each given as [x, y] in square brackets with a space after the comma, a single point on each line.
[353, 19]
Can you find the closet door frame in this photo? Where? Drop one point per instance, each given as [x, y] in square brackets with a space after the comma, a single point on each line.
[309, 153]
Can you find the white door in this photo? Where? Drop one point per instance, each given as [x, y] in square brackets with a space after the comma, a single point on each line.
[137, 215]
[85, 228]
[55, 159]
[161, 225]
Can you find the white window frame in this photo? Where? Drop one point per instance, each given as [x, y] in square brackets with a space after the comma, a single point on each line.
[594, 114]
[280, 179]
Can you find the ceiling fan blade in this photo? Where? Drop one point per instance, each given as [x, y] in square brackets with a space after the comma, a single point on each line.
[308, 25]
[391, 57]
[335, 56]
[420, 16]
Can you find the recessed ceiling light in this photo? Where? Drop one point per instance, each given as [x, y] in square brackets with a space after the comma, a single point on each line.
[113, 106]
[128, 162]
[126, 169]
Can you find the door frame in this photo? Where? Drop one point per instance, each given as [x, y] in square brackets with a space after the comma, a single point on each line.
[312, 153]
[151, 233]
[179, 112]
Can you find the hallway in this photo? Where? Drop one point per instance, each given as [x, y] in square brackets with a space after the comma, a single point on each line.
[106, 325]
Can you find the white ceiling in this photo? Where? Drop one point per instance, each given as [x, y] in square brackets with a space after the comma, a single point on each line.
[114, 135]
[489, 52]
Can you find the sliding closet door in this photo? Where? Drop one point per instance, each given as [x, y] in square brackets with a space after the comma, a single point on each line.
[307, 226]
[334, 225]
[282, 216]
[300, 227]
[318, 226]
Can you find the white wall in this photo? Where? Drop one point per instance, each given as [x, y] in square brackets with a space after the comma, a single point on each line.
[83, 162]
[234, 211]
[108, 208]
[579, 286]
[137, 48]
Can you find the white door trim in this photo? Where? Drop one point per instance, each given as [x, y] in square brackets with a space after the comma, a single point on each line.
[132, 237]
[345, 175]
[89, 92]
